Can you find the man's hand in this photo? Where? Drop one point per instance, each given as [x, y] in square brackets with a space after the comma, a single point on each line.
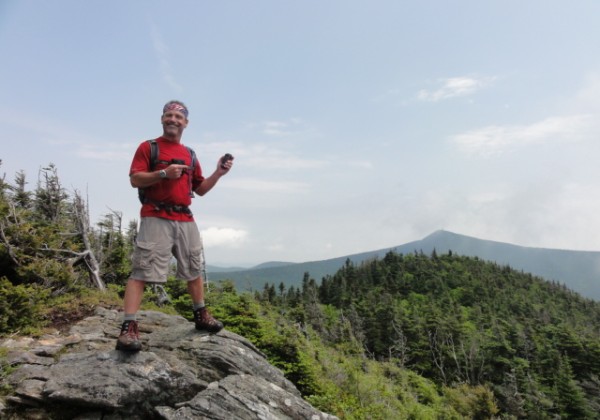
[222, 168]
[225, 163]
[175, 170]
[145, 179]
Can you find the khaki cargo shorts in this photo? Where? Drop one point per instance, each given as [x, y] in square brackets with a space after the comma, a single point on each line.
[158, 241]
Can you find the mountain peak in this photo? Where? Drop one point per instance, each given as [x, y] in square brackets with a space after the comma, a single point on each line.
[441, 233]
[576, 269]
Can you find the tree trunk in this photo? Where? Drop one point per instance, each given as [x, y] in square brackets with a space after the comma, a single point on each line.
[83, 225]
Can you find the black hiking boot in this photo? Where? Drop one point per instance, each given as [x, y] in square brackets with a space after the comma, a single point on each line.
[205, 321]
[129, 340]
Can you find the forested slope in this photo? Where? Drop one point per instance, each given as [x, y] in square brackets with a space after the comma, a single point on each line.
[460, 320]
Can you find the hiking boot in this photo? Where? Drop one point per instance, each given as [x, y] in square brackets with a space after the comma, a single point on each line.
[129, 340]
[205, 321]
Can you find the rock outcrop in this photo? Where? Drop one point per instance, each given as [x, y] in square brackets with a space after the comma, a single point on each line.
[181, 373]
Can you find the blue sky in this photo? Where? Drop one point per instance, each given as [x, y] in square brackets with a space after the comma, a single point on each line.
[356, 125]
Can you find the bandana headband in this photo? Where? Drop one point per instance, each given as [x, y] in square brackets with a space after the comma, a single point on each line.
[173, 106]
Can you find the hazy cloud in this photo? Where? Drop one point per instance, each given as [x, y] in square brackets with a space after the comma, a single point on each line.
[363, 164]
[453, 87]
[107, 151]
[49, 130]
[276, 128]
[62, 135]
[537, 214]
[495, 139]
[162, 54]
[283, 161]
[588, 97]
[261, 185]
[225, 237]
[261, 155]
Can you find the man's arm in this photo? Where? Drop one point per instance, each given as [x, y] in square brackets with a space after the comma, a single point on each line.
[145, 179]
[208, 183]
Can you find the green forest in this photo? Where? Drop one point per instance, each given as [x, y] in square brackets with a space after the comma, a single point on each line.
[410, 336]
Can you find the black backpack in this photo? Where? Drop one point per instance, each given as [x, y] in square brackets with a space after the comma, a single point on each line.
[154, 161]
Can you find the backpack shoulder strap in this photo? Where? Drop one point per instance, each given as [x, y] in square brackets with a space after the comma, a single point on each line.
[152, 164]
[193, 156]
[153, 154]
[193, 167]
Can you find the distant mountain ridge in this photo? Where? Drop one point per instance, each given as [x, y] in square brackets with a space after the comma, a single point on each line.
[578, 270]
[216, 269]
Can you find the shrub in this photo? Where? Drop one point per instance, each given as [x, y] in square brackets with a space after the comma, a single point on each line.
[20, 307]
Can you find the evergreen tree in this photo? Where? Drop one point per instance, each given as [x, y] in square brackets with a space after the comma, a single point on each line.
[571, 401]
[50, 196]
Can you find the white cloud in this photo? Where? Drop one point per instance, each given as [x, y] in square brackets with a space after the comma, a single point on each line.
[51, 131]
[162, 54]
[453, 87]
[225, 237]
[588, 97]
[495, 139]
[544, 213]
[275, 128]
[282, 160]
[282, 128]
[260, 185]
[63, 136]
[103, 155]
[291, 127]
[275, 247]
[261, 155]
[363, 164]
[107, 151]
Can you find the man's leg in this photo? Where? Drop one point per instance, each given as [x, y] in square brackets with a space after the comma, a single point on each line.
[196, 291]
[202, 318]
[129, 339]
[134, 291]
[150, 263]
[189, 255]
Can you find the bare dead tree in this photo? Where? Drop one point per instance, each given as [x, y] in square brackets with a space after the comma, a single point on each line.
[399, 348]
[476, 359]
[437, 353]
[8, 245]
[460, 377]
[110, 227]
[82, 222]
[162, 297]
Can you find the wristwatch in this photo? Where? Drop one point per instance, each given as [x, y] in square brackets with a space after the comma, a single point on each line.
[162, 173]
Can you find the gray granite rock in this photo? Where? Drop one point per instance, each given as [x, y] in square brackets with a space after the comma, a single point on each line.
[181, 373]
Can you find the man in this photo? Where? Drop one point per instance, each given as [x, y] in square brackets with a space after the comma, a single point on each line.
[167, 227]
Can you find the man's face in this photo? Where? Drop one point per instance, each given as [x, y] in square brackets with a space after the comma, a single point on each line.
[173, 122]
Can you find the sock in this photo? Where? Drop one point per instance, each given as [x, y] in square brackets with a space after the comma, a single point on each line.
[199, 305]
[129, 317]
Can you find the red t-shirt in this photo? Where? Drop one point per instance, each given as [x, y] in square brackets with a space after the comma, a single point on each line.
[168, 191]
